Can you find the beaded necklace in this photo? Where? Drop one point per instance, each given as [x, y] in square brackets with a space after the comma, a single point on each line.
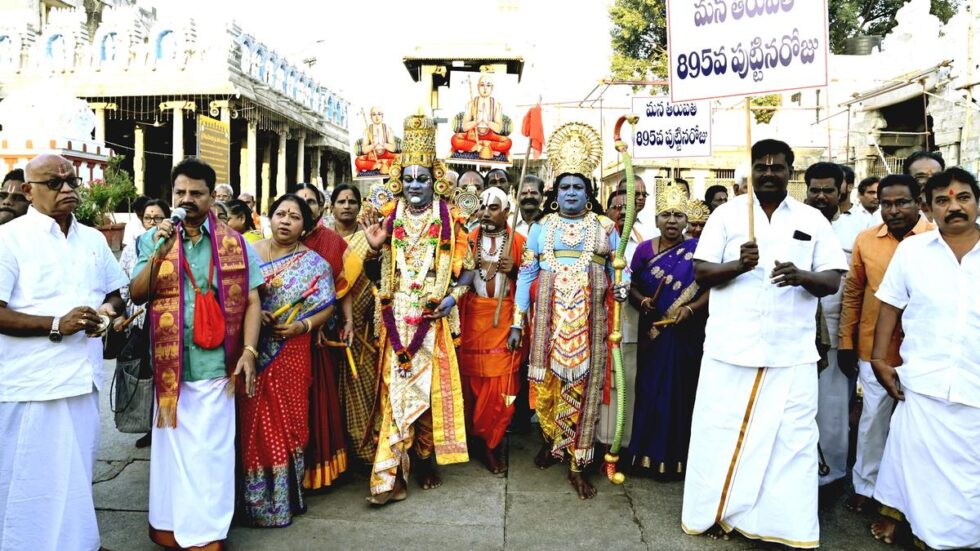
[570, 277]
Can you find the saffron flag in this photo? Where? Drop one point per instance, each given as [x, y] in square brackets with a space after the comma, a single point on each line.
[533, 128]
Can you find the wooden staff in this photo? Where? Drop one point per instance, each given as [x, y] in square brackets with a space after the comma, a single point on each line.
[748, 177]
[510, 234]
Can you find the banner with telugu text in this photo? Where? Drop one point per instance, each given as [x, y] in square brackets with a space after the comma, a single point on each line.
[722, 48]
[213, 146]
[669, 130]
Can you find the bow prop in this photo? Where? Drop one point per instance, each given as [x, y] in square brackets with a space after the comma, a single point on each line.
[616, 337]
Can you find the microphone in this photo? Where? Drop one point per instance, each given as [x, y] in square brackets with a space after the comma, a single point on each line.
[176, 217]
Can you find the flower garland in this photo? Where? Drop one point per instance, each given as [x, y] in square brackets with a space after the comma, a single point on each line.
[441, 227]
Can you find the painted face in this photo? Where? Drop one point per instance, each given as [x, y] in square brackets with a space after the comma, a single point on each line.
[572, 194]
[287, 223]
[194, 197]
[346, 207]
[13, 201]
[498, 178]
[56, 171]
[823, 195]
[485, 87]
[472, 181]
[418, 185]
[641, 193]
[770, 176]
[899, 209]
[152, 217]
[312, 200]
[954, 208]
[869, 199]
[376, 115]
[694, 229]
[671, 224]
[718, 200]
[493, 215]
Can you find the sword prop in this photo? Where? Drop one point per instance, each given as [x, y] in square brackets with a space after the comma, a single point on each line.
[616, 337]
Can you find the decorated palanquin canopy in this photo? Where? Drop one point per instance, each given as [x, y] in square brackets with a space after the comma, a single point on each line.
[574, 148]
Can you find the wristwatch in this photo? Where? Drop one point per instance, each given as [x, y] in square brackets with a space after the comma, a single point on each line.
[55, 334]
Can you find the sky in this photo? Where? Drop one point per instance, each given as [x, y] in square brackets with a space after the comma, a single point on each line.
[359, 46]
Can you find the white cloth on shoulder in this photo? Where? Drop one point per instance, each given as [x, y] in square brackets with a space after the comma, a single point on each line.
[192, 466]
[931, 470]
[46, 458]
[752, 464]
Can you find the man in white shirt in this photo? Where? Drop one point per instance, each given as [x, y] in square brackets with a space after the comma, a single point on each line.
[56, 278]
[930, 472]
[861, 217]
[753, 458]
[529, 198]
[824, 182]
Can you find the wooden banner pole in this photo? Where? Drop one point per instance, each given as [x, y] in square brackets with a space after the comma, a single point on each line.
[748, 177]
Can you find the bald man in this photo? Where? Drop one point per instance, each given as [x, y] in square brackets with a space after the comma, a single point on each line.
[57, 277]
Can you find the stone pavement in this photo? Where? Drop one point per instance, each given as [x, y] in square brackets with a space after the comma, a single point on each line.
[527, 510]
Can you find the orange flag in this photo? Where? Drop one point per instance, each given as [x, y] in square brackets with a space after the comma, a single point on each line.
[533, 128]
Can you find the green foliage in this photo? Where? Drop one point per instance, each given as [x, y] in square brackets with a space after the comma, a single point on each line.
[772, 100]
[639, 31]
[639, 39]
[874, 17]
[101, 197]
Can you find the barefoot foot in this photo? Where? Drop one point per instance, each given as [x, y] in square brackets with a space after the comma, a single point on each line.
[428, 474]
[544, 458]
[398, 493]
[856, 503]
[581, 485]
[495, 461]
[716, 532]
[885, 530]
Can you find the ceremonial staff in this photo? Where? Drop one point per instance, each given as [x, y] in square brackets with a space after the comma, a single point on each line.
[513, 228]
[616, 337]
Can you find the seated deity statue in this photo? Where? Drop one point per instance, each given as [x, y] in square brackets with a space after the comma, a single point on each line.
[482, 129]
[377, 149]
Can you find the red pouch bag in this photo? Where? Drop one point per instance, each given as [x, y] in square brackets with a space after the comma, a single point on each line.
[209, 322]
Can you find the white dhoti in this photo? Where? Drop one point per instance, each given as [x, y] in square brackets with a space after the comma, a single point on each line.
[47, 451]
[832, 419]
[931, 470]
[192, 468]
[752, 464]
[607, 413]
[876, 414]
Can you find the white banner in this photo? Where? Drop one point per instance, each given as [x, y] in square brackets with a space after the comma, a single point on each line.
[668, 130]
[721, 48]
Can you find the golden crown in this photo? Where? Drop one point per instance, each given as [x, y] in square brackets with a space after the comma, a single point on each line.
[697, 211]
[670, 196]
[419, 142]
[574, 148]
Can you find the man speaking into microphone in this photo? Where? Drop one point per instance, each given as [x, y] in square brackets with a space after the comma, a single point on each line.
[204, 329]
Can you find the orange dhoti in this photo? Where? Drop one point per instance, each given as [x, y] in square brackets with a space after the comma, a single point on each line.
[467, 142]
[374, 161]
[489, 371]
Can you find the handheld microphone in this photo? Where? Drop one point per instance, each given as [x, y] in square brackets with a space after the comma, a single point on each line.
[176, 217]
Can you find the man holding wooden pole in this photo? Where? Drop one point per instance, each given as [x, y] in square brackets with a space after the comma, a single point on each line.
[753, 459]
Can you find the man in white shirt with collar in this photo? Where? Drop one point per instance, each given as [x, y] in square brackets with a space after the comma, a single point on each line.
[859, 218]
[930, 472]
[529, 197]
[56, 278]
[752, 464]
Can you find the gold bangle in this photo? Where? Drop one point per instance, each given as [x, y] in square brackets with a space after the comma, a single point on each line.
[308, 325]
[518, 321]
[254, 352]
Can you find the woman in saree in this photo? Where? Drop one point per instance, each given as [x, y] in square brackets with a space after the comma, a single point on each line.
[297, 298]
[357, 387]
[672, 309]
[241, 220]
[327, 449]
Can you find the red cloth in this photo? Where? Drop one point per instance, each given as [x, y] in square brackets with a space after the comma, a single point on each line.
[533, 128]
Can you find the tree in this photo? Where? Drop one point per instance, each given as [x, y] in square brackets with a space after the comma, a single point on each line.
[639, 31]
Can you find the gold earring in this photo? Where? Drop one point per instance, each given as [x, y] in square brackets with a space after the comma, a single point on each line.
[554, 206]
[588, 206]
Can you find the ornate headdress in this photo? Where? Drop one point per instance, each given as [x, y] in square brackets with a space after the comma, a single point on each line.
[697, 211]
[574, 148]
[670, 196]
[419, 148]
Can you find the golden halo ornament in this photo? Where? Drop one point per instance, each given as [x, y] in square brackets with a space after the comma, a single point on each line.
[697, 211]
[467, 202]
[574, 148]
[379, 195]
[670, 196]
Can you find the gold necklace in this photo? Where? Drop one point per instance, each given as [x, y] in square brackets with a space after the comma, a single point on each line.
[275, 279]
[570, 277]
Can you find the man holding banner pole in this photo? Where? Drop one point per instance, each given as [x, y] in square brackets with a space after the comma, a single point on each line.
[753, 458]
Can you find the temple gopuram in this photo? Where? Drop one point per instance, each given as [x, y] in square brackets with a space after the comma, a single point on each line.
[163, 88]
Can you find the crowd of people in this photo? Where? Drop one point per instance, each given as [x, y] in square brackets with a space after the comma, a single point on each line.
[404, 333]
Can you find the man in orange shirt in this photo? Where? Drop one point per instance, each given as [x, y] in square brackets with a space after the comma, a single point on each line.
[873, 251]
[487, 368]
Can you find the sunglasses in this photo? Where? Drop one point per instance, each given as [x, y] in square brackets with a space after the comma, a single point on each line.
[55, 184]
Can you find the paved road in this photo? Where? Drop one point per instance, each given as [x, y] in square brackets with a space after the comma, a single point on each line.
[527, 510]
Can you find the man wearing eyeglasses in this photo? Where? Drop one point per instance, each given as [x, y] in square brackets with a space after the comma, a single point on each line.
[57, 277]
[13, 202]
[922, 165]
[873, 250]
